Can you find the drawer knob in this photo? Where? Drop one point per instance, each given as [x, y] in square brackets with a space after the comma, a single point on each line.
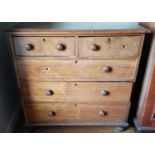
[49, 92]
[51, 113]
[61, 47]
[94, 47]
[102, 113]
[107, 69]
[28, 47]
[104, 93]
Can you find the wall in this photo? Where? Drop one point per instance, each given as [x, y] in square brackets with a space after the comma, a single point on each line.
[9, 98]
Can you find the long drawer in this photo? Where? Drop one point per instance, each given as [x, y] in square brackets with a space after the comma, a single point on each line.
[44, 46]
[109, 47]
[89, 92]
[71, 112]
[43, 69]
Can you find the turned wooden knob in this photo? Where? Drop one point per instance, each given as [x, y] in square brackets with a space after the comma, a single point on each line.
[28, 47]
[104, 93]
[49, 92]
[51, 113]
[61, 47]
[102, 113]
[107, 69]
[94, 47]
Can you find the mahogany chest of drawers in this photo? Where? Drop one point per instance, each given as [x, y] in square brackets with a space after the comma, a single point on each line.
[74, 76]
[145, 118]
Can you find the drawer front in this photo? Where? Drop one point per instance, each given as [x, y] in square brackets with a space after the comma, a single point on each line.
[71, 112]
[109, 47]
[76, 91]
[80, 70]
[44, 46]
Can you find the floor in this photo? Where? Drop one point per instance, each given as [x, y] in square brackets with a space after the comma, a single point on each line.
[20, 128]
[90, 129]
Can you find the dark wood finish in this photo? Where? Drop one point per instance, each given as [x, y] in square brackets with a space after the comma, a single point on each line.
[49, 92]
[63, 83]
[107, 68]
[146, 111]
[29, 47]
[61, 47]
[94, 47]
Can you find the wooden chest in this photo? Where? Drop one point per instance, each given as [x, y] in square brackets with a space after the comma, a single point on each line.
[74, 76]
[145, 118]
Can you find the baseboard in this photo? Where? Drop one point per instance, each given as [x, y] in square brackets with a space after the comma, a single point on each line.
[13, 120]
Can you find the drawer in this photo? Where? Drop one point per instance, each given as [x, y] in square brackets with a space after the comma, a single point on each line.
[109, 47]
[44, 46]
[33, 69]
[76, 91]
[71, 112]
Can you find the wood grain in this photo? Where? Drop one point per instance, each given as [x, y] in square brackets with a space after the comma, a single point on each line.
[44, 46]
[88, 92]
[70, 112]
[145, 119]
[70, 86]
[110, 47]
[35, 69]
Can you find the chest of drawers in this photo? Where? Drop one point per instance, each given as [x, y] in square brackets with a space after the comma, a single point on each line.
[74, 76]
[145, 118]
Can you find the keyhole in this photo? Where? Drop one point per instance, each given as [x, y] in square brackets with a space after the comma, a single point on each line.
[109, 39]
[76, 61]
[124, 46]
[47, 69]
[44, 39]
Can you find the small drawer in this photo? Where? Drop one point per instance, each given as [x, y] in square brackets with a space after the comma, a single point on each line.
[75, 112]
[76, 91]
[109, 47]
[33, 69]
[44, 46]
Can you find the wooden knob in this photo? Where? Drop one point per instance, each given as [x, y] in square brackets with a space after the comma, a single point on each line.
[51, 113]
[49, 92]
[102, 113]
[94, 47]
[61, 47]
[28, 47]
[107, 69]
[104, 93]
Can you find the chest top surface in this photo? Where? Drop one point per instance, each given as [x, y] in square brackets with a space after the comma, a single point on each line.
[79, 28]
